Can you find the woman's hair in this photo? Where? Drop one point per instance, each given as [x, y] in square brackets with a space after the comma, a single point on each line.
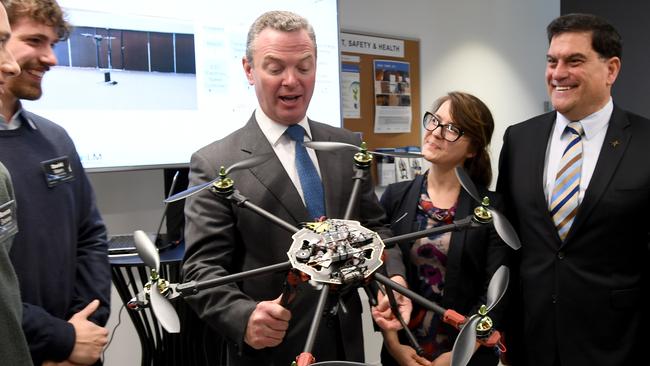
[474, 118]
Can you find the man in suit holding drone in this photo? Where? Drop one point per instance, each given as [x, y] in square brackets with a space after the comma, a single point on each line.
[222, 238]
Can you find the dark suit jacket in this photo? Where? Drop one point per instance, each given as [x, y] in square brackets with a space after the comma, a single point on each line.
[223, 238]
[582, 299]
[474, 255]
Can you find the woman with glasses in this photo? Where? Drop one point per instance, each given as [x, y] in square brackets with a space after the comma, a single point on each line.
[452, 269]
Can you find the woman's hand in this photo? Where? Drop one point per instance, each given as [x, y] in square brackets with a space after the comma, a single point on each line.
[382, 313]
[404, 355]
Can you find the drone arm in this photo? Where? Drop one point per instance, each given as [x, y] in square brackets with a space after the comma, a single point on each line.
[422, 301]
[395, 309]
[306, 358]
[242, 201]
[193, 287]
[453, 318]
[455, 226]
[356, 189]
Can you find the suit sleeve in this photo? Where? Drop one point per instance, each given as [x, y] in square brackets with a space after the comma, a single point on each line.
[503, 185]
[212, 241]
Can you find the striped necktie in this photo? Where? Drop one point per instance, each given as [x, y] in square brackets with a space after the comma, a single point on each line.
[564, 201]
[312, 187]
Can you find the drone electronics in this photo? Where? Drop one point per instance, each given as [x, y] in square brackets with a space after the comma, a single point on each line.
[337, 254]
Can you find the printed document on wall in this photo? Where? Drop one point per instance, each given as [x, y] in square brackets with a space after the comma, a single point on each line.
[392, 96]
[350, 90]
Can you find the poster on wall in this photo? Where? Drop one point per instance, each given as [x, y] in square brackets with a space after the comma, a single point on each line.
[350, 90]
[392, 96]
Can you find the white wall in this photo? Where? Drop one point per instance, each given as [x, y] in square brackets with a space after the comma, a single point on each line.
[494, 49]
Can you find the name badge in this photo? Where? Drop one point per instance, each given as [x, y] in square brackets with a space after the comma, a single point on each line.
[57, 171]
[8, 226]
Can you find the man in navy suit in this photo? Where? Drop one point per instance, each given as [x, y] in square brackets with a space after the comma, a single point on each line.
[582, 290]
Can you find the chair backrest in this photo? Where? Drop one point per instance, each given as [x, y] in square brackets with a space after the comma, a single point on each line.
[158, 346]
[195, 345]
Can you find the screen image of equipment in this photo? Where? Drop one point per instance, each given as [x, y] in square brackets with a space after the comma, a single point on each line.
[144, 84]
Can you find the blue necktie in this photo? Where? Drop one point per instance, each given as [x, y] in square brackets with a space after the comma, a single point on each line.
[564, 201]
[312, 187]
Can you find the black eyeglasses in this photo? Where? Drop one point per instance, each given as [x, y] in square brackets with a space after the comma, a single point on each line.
[448, 131]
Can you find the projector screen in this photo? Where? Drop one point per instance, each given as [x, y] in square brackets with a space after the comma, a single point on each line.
[143, 84]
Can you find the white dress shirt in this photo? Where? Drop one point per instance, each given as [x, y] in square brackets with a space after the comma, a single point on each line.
[285, 147]
[595, 128]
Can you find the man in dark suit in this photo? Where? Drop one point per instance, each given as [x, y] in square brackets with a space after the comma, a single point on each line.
[223, 238]
[584, 275]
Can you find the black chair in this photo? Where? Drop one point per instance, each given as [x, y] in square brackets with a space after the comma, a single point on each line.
[129, 275]
[196, 345]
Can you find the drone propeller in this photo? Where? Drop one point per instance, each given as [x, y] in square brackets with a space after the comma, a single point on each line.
[497, 287]
[465, 342]
[161, 306]
[463, 349]
[146, 250]
[163, 309]
[334, 145]
[244, 164]
[501, 224]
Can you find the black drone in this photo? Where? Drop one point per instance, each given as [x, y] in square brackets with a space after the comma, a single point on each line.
[338, 254]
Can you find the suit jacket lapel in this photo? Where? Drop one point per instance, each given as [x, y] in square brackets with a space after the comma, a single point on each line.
[410, 199]
[538, 144]
[605, 168]
[456, 244]
[271, 174]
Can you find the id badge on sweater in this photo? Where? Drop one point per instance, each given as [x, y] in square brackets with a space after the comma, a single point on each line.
[57, 171]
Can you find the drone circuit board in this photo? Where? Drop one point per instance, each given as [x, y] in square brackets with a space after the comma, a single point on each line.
[336, 251]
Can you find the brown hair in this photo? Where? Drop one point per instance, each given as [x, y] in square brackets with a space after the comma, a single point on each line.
[46, 12]
[475, 119]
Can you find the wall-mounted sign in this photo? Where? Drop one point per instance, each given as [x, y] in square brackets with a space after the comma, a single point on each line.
[370, 45]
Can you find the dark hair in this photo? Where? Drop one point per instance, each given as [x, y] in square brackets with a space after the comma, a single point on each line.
[475, 119]
[605, 39]
[46, 12]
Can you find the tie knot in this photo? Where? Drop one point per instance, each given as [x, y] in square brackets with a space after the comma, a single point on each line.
[296, 132]
[575, 128]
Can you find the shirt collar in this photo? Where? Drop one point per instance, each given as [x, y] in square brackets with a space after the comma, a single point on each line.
[17, 120]
[593, 123]
[274, 130]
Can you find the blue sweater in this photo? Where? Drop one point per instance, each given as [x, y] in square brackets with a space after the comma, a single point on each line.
[60, 254]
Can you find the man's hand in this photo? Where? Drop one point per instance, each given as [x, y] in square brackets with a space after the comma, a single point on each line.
[267, 325]
[90, 338]
[382, 313]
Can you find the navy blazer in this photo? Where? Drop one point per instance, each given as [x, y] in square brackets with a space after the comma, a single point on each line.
[474, 254]
[583, 300]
